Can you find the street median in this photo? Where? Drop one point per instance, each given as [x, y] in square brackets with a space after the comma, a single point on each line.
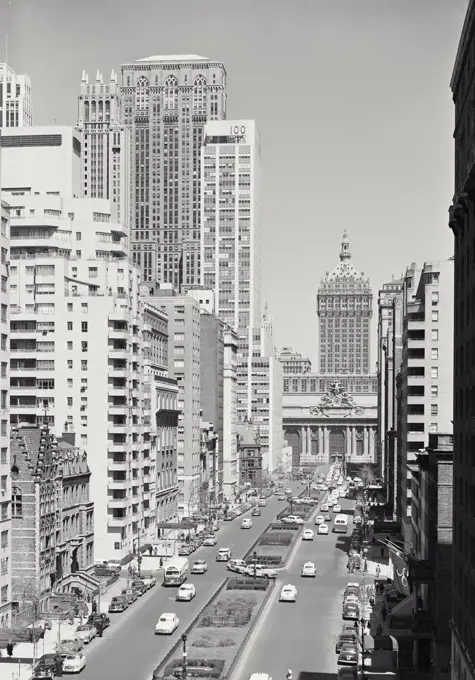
[219, 632]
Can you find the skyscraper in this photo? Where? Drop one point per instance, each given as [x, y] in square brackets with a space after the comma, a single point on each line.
[230, 237]
[105, 158]
[462, 223]
[344, 308]
[15, 98]
[167, 101]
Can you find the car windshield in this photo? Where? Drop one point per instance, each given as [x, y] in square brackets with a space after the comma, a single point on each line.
[79, 628]
[72, 657]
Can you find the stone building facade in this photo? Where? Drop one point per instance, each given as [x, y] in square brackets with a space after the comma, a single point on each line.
[52, 544]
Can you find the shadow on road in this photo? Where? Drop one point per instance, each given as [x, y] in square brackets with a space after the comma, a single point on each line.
[343, 543]
[309, 675]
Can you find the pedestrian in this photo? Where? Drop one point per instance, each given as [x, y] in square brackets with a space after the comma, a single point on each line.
[365, 564]
[58, 662]
[384, 612]
[10, 648]
[382, 553]
[289, 674]
[378, 571]
[161, 562]
[150, 550]
[94, 607]
[379, 629]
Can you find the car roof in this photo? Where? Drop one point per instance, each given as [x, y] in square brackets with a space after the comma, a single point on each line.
[167, 615]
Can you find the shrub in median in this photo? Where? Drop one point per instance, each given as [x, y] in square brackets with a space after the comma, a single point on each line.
[229, 612]
[196, 668]
[249, 583]
[277, 539]
[269, 560]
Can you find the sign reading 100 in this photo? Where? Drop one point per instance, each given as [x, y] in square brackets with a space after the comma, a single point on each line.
[237, 130]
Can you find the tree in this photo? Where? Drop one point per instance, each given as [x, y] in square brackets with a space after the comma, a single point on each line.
[367, 475]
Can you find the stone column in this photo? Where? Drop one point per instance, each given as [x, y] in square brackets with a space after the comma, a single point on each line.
[326, 442]
[353, 440]
[349, 435]
[309, 439]
[320, 440]
[303, 440]
[371, 441]
[365, 441]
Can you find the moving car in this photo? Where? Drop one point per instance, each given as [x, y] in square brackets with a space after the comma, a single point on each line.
[167, 624]
[337, 508]
[74, 663]
[280, 496]
[288, 593]
[319, 519]
[186, 592]
[246, 523]
[86, 632]
[328, 518]
[260, 571]
[238, 566]
[324, 507]
[292, 519]
[357, 519]
[348, 634]
[323, 529]
[199, 567]
[309, 569]
[210, 541]
[261, 502]
[308, 535]
[223, 555]
[256, 512]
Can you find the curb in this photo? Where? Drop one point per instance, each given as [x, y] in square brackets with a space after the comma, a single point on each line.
[245, 643]
[172, 652]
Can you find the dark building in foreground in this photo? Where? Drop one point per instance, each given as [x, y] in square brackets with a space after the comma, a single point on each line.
[462, 223]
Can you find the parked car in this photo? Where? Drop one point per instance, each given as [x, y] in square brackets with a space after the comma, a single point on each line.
[210, 541]
[118, 604]
[100, 621]
[139, 586]
[74, 663]
[130, 594]
[166, 624]
[260, 571]
[148, 578]
[348, 655]
[86, 632]
[185, 549]
[348, 634]
[74, 644]
[351, 610]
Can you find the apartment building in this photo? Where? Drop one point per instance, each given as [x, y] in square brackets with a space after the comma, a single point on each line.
[462, 223]
[250, 454]
[15, 98]
[424, 383]
[183, 313]
[230, 449]
[293, 363]
[161, 397]
[5, 486]
[386, 400]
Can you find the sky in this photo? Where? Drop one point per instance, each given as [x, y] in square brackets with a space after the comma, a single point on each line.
[351, 97]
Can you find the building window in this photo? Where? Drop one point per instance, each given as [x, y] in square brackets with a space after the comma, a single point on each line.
[4, 455]
[17, 502]
[84, 326]
[435, 335]
[4, 539]
[4, 566]
[434, 372]
[83, 364]
[434, 353]
[70, 325]
[4, 594]
[434, 409]
[435, 297]
[435, 315]
[434, 391]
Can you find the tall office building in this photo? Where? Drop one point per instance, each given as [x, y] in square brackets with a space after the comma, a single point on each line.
[105, 158]
[5, 466]
[230, 236]
[462, 222]
[167, 101]
[15, 99]
[344, 308]
[425, 376]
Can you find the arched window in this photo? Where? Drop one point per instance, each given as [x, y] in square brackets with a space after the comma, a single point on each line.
[17, 502]
[171, 93]
[199, 93]
[141, 94]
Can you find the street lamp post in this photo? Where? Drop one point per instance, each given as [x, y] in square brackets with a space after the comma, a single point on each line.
[184, 638]
[254, 557]
[362, 624]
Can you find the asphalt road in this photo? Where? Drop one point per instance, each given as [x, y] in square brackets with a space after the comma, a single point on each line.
[301, 635]
[129, 649]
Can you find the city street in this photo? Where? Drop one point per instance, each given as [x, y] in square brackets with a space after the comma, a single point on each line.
[129, 648]
[301, 635]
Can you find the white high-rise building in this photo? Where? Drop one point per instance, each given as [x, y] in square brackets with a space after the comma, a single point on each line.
[230, 225]
[15, 98]
[77, 344]
[5, 463]
[105, 157]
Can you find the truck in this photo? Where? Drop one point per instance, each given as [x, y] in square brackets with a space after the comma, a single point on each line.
[176, 571]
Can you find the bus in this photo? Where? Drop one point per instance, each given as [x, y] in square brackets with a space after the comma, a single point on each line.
[340, 525]
[176, 571]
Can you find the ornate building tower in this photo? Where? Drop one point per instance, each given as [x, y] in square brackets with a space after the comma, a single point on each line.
[344, 308]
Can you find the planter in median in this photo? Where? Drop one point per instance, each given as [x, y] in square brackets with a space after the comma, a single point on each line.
[216, 637]
[273, 547]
